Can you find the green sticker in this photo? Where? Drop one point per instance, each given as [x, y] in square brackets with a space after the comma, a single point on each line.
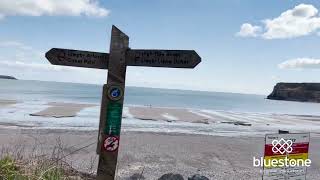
[114, 116]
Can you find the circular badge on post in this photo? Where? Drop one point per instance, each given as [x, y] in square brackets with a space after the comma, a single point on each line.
[115, 93]
[111, 143]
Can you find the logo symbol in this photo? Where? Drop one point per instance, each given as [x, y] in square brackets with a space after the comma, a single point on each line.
[282, 146]
[115, 93]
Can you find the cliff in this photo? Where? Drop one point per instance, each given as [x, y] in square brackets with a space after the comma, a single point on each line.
[7, 77]
[303, 92]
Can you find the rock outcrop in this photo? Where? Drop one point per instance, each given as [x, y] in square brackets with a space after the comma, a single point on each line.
[303, 92]
[7, 77]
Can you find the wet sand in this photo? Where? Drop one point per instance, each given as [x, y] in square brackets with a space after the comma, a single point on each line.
[155, 154]
[60, 110]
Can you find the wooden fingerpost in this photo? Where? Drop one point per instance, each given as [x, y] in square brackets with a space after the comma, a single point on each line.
[116, 61]
[111, 106]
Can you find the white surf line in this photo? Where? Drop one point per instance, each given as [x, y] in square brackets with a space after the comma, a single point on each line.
[272, 119]
[126, 112]
[222, 115]
[265, 119]
[296, 121]
[201, 114]
[170, 117]
[19, 113]
[285, 119]
[207, 116]
[27, 107]
[242, 117]
[260, 118]
[251, 118]
[304, 119]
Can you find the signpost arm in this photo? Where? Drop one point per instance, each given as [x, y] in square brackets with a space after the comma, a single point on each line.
[111, 106]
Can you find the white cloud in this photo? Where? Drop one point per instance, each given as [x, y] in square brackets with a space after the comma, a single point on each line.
[302, 20]
[16, 44]
[300, 63]
[248, 30]
[51, 8]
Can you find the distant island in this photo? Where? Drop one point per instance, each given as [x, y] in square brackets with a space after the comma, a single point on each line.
[7, 77]
[302, 92]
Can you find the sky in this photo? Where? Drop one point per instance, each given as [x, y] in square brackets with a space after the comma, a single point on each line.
[246, 46]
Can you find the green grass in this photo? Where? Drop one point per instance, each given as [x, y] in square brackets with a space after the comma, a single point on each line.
[16, 163]
[13, 170]
[8, 169]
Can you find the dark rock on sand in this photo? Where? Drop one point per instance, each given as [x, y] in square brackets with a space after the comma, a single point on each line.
[198, 177]
[171, 176]
[283, 131]
[237, 123]
[303, 92]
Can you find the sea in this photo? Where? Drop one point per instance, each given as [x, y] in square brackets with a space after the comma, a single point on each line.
[33, 96]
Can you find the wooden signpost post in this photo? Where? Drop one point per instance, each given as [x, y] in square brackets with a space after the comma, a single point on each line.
[116, 62]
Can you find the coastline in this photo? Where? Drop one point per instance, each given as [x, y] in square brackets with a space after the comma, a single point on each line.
[85, 116]
[163, 140]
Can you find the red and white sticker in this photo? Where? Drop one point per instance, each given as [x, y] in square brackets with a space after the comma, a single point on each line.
[111, 143]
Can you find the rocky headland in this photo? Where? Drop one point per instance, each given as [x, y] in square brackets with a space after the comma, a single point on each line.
[303, 92]
[7, 77]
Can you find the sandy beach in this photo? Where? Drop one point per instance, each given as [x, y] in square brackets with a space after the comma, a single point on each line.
[60, 110]
[155, 153]
[223, 150]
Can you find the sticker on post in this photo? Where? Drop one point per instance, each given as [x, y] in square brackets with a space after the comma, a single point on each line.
[111, 143]
[115, 93]
[114, 116]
